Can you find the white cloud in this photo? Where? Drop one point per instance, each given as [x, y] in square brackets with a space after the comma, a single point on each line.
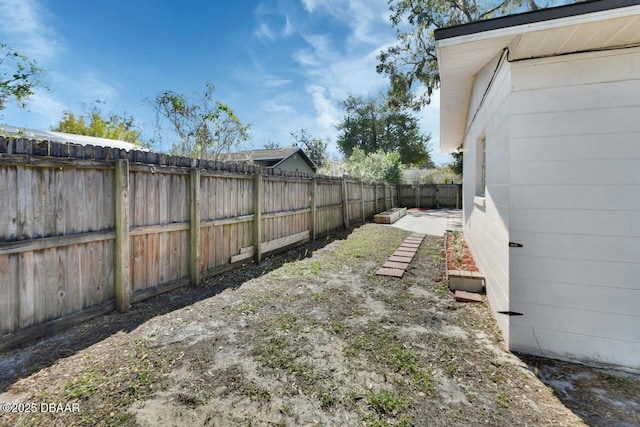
[264, 32]
[320, 53]
[343, 68]
[327, 115]
[275, 83]
[28, 28]
[273, 22]
[288, 27]
[278, 105]
[363, 17]
[48, 108]
[336, 65]
[310, 5]
[368, 18]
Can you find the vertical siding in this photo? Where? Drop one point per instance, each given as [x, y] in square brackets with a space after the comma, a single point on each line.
[575, 206]
[486, 220]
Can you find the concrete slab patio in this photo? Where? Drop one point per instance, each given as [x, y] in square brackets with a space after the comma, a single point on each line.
[433, 222]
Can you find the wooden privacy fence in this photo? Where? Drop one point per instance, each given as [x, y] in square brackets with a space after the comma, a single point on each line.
[430, 196]
[87, 229]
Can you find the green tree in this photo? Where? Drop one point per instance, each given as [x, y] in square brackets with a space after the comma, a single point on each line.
[315, 148]
[457, 164]
[271, 145]
[412, 61]
[371, 125]
[111, 127]
[378, 166]
[19, 77]
[205, 127]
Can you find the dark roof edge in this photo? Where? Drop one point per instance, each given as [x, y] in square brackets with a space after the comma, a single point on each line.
[531, 17]
[306, 158]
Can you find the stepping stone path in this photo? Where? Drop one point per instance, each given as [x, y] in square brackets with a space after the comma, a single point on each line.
[398, 263]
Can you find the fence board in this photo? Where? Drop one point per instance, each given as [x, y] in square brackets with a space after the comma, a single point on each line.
[430, 196]
[61, 254]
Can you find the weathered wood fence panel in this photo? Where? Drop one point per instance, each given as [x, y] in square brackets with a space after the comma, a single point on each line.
[224, 219]
[369, 202]
[285, 207]
[430, 196]
[159, 220]
[67, 251]
[84, 230]
[450, 195]
[354, 200]
[328, 205]
[51, 220]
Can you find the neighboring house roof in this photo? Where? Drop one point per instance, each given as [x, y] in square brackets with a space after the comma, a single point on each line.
[70, 138]
[463, 50]
[271, 158]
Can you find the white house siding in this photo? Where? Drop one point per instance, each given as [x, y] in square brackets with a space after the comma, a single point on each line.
[486, 220]
[295, 163]
[575, 206]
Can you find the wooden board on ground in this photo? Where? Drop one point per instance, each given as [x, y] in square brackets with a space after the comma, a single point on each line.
[464, 296]
[392, 272]
[398, 265]
[395, 258]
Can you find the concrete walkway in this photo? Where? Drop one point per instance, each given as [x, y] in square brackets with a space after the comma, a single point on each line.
[433, 222]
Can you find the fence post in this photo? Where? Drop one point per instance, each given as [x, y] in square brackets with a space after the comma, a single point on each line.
[393, 187]
[364, 217]
[257, 216]
[417, 193]
[194, 238]
[345, 203]
[385, 196]
[312, 216]
[121, 251]
[375, 199]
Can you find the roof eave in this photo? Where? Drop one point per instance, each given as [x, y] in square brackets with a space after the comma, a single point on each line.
[306, 158]
[552, 14]
[478, 49]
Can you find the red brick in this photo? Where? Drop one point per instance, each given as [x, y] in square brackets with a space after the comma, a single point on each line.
[392, 272]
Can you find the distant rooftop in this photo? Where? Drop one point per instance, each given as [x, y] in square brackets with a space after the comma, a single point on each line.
[68, 138]
[270, 157]
[263, 154]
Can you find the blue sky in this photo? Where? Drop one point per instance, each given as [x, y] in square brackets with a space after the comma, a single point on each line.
[282, 65]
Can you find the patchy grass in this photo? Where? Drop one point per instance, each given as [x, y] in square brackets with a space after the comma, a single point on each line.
[318, 340]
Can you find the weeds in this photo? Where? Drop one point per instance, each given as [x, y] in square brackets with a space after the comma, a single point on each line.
[622, 384]
[457, 249]
[502, 400]
[327, 398]
[82, 387]
[337, 328]
[387, 402]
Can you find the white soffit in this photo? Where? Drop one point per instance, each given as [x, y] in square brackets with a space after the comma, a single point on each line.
[460, 58]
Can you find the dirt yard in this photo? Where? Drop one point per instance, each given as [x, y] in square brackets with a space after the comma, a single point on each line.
[307, 338]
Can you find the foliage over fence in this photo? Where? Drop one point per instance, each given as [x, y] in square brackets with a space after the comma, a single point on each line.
[87, 229]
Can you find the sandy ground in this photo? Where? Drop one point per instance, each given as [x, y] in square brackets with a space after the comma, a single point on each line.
[307, 338]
